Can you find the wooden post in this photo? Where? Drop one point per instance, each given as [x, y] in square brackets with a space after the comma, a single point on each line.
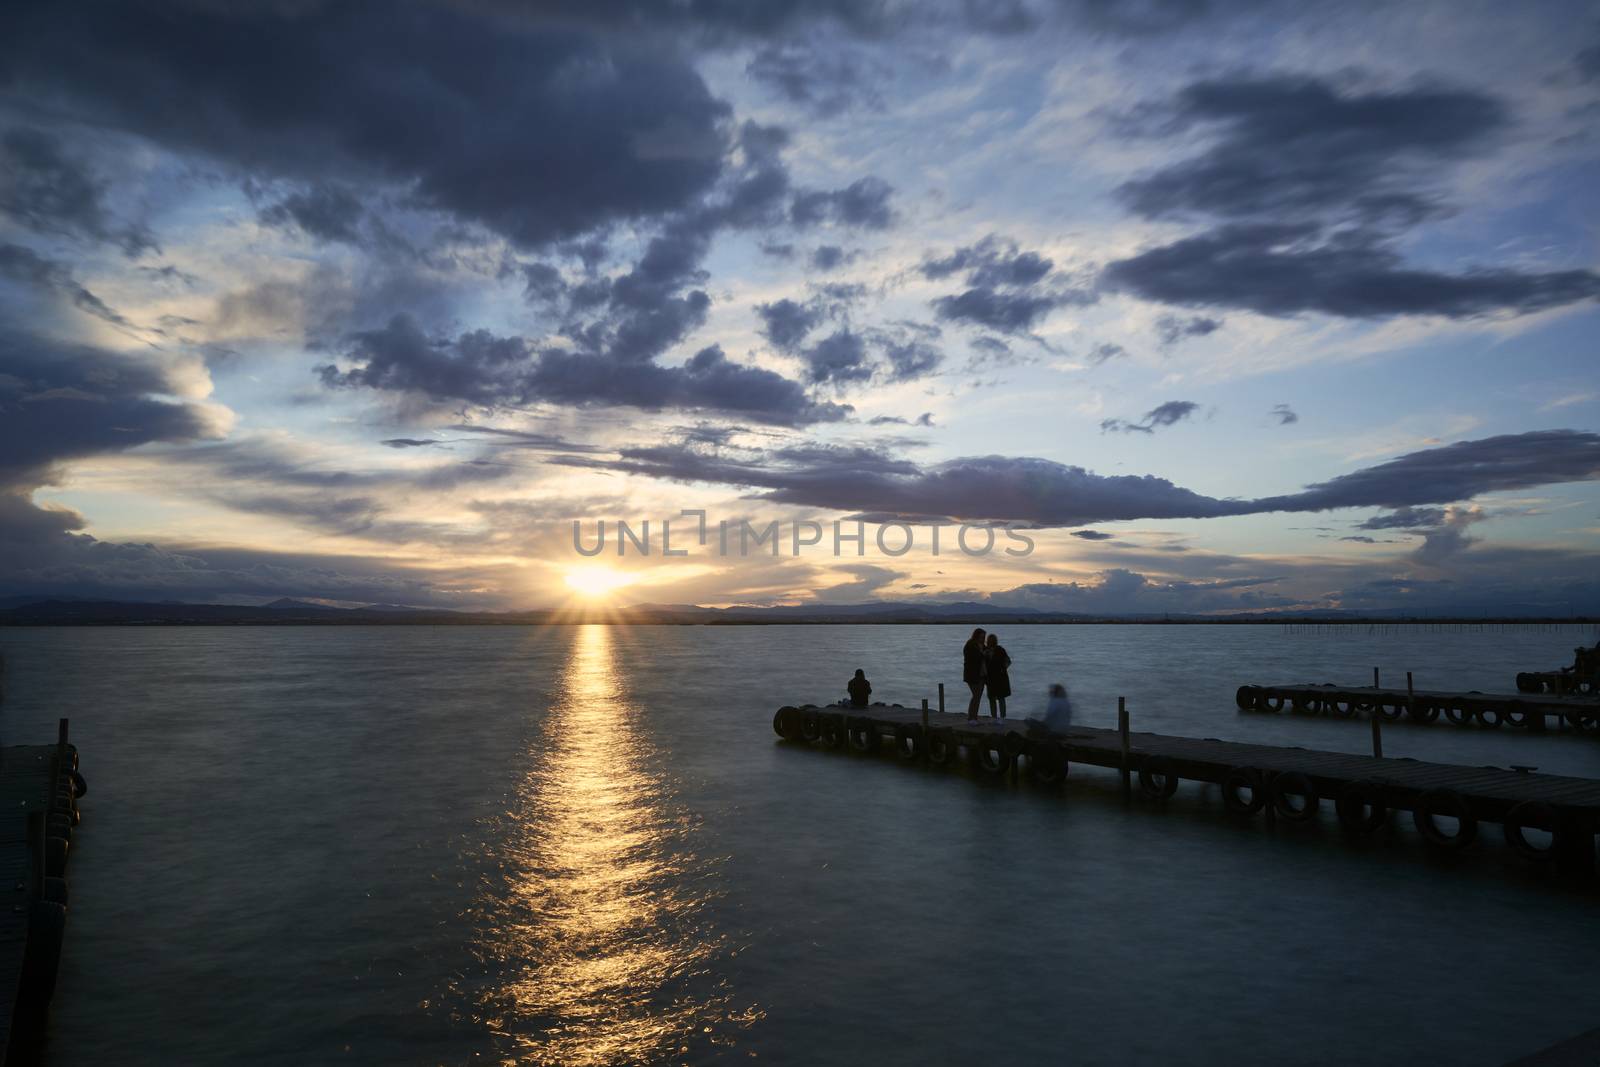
[1122, 733]
[1411, 698]
[1377, 732]
[941, 698]
[925, 727]
[1374, 677]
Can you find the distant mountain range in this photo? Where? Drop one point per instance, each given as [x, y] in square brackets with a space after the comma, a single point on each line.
[22, 611]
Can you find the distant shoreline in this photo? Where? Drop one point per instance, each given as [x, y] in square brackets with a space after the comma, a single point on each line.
[101, 613]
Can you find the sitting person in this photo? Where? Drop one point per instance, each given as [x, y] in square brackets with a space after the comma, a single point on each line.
[860, 689]
[1057, 712]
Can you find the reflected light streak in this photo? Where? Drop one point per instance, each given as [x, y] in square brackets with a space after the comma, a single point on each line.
[599, 937]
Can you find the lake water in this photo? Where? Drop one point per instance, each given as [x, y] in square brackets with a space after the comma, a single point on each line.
[584, 845]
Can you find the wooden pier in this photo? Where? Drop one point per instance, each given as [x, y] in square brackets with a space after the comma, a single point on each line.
[1447, 802]
[1523, 711]
[39, 790]
[1581, 679]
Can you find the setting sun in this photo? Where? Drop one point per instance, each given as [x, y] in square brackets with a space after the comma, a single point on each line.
[596, 581]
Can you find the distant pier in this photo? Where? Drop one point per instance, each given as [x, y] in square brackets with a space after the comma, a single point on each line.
[1447, 803]
[1523, 711]
[39, 791]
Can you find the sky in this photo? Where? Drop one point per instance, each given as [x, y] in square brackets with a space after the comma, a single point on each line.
[1244, 307]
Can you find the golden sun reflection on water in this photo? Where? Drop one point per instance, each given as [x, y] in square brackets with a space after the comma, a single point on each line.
[597, 937]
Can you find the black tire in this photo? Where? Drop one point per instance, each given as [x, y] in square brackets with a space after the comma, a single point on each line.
[1303, 704]
[908, 742]
[1436, 802]
[1457, 715]
[1589, 724]
[1389, 712]
[1016, 743]
[80, 787]
[943, 748]
[1157, 779]
[1344, 709]
[1491, 718]
[1235, 782]
[810, 725]
[1247, 697]
[1530, 813]
[1293, 783]
[1519, 719]
[863, 737]
[1424, 711]
[786, 723]
[1272, 702]
[1047, 762]
[990, 757]
[1361, 807]
[834, 734]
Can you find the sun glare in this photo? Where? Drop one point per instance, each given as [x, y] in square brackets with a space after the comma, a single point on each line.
[596, 581]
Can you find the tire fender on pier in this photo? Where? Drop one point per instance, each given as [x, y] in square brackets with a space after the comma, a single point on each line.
[908, 742]
[1294, 784]
[863, 738]
[1530, 814]
[1445, 802]
[990, 756]
[811, 724]
[833, 731]
[942, 746]
[1157, 779]
[787, 723]
[1247, 697]
[1361, 806]
[1235, 782]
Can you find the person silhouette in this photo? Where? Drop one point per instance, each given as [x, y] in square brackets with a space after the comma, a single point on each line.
[972, 667]
[859, 689]
[997, 676]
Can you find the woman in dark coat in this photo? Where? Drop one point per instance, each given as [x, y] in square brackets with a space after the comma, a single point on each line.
[998, 675]
[972, 664]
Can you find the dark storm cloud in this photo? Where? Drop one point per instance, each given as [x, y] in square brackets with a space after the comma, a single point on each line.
[25, 265]
[786, 322]
[1588, 63]
[863, 203]
[828, 257]
[1286, 269]
[1287, 146]
[1457, 472]
[1092, 535]
[1172, 329]
[484, 369]
[48, 189]
[1004, 286]
[1046, 493]
[409, 442]
[910, 358]
[1005, 312]
[1284, 414]
[327, 212]
[1169, 414]
[538, 132]
[825, 77]
[61, 401]
[839, 357]
[1403, 518]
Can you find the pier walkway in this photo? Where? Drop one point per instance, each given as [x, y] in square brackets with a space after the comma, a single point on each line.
[1530, 711]
[1447, 802]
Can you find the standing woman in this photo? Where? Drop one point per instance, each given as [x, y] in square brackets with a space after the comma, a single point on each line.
[972, 671]
[998, 676]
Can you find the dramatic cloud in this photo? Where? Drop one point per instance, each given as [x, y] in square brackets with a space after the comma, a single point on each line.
[1284, 414]
[1105, 351]
[24, 265]
[327, 212]
[1172, 329]
[825, 77]
[47, 189]
[1045, 493]
[1286, 269]
[786, 322]
[484, 369]
[863, 203]
[537, 132]
[1005, 286]
[1092, 535]
[1169, 414]
[1289, 146]
[839, 357]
